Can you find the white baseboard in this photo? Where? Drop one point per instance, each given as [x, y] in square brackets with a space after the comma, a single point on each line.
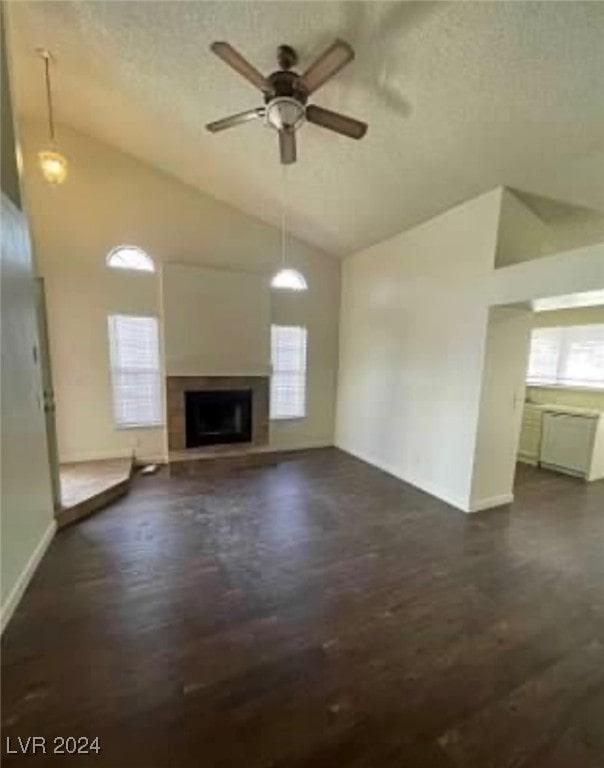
[75, 458]
[491, 501]
[298, 446]
[16, 593]
[438, 493]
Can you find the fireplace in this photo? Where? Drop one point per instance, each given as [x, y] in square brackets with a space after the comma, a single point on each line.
[214, 417]
[198, 403]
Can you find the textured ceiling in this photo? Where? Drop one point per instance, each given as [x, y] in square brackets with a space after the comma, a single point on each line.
[460, 97]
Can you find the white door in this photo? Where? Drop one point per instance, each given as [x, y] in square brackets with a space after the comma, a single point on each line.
[48, 393]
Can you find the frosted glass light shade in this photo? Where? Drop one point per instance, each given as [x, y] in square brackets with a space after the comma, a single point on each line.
[289, 280]
[53, 166]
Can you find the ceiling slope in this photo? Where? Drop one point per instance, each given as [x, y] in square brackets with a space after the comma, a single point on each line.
[459, 97]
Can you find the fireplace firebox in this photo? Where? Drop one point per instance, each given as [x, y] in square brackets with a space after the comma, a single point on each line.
[214, 417]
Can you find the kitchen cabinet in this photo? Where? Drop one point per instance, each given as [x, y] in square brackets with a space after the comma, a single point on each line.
[563, 439]
[573, 442]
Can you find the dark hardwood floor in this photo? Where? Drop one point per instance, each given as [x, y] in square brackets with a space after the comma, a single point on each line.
[317, 613]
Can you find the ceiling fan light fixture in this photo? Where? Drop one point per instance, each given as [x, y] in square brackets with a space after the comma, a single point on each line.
[284, 113]
[289, 280]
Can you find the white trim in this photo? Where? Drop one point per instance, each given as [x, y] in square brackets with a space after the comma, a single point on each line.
[302, 445]
[287, 418]
[16, 593]
[528, 458]
[574, 387]
[108, 455]
[75, 458]
[438, 493]
[491, 501]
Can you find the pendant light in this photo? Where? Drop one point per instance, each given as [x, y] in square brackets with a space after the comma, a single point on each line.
[287, 278]
[52, 163]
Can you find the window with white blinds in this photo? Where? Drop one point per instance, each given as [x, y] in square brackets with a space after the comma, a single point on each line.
[571, 356]
[135, 371]
[288, 381]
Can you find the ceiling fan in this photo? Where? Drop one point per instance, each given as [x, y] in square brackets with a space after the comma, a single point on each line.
[286, 93]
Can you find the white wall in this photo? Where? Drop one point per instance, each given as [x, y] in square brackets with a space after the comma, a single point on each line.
[111, 198]
[27, 519]
[560, 274]
[501, 406]
[10, 172]
[429, 390]
[412, 333]
[521, 234]
[216, 322]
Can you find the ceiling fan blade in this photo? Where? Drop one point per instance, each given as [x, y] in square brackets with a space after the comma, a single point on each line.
[287, 146]
[329, 62]
[334, 121]
[234, 59]
[240, 117]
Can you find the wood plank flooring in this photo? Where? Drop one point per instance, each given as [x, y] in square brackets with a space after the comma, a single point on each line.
[317, 613]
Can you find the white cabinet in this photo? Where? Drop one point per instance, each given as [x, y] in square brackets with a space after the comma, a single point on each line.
[530, 435]
[572, 442]
[564, 439]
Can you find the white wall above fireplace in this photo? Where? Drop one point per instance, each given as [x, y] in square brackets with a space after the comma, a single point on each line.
[216, 322]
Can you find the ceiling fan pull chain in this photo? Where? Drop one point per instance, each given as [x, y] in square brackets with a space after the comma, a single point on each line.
[51, 122]
[283, 211]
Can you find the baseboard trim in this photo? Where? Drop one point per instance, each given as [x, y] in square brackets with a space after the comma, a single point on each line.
[452, 501]
[78, 458]
[302, 445]
[16, 593]
[491, 501]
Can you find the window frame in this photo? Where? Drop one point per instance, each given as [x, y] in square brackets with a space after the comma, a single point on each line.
[133, 370]
[563, 337]
[301, 371]
[114, 252]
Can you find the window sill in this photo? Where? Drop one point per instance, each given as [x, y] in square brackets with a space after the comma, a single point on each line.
[575, 387]
[287, 418]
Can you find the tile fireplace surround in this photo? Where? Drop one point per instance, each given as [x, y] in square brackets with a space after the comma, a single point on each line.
[176, 386]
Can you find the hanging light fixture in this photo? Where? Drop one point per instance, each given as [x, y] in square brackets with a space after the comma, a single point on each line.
[287, 278]
[52, 163]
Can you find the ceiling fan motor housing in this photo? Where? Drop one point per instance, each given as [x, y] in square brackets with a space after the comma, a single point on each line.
[284, 82]
[285, 100]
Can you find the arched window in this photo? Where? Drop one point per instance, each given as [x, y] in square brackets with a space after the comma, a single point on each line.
[130, 257]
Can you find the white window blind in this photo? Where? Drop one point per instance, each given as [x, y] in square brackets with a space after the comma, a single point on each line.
[288, 382]
[135, 372]
[571, 356]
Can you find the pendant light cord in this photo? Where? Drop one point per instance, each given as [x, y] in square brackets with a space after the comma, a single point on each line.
[283, 212]
[51, 122]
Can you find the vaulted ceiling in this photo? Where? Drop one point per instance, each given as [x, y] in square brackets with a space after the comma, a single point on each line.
[460, 97]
